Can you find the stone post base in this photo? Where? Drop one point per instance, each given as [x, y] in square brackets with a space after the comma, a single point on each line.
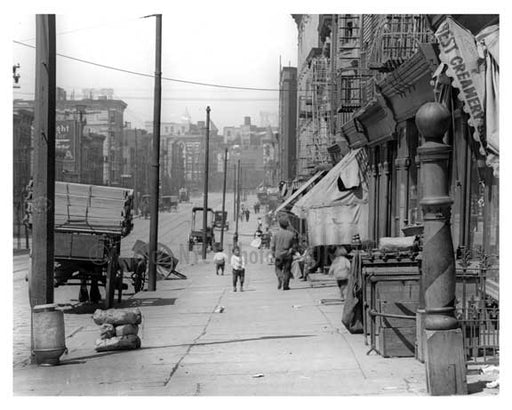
[445, 363]
[420, 335]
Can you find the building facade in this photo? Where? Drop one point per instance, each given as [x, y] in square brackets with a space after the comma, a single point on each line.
[400, 69]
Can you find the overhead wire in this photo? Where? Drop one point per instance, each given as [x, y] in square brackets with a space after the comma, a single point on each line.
[198, 83]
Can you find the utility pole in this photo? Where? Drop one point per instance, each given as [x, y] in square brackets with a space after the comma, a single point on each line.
[206, 169]
[43, 211]
[235, 237]
[136, 176]
[234, 192]
[155, 165]
[224, 198]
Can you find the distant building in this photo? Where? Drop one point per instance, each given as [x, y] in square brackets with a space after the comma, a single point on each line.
[91, 118]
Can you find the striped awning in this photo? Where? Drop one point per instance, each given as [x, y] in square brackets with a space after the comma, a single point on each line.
[286, 205]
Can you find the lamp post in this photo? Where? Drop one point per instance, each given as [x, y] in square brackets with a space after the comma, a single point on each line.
[444, 351]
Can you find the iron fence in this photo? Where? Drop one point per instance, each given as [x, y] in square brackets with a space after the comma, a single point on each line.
[477, 307]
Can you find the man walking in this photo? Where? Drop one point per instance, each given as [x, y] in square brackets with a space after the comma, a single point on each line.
[282, 245]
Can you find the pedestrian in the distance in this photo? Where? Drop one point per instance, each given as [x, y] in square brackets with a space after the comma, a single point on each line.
[340, 268]
[282, 247]
[219, 259]
[238, 265]
[247, 213]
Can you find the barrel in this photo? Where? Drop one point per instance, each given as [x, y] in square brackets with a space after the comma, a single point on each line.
[48, 334]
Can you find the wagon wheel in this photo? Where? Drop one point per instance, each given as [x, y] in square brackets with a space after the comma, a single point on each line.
[111, 282]
[164, 260]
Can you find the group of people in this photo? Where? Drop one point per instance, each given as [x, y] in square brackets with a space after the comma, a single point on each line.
[244, 213]
[291, 260]
[237, 263]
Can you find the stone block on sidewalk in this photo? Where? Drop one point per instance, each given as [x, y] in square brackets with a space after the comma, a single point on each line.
[124, 330]
[107, 331]
[118, 317]
[127, 342]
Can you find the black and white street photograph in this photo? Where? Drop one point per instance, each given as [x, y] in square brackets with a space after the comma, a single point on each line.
[232, 199]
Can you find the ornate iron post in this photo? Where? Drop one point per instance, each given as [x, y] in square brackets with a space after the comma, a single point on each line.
[444, 352]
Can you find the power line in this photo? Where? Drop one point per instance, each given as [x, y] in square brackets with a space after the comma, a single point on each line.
[199, 83]
[152, 76]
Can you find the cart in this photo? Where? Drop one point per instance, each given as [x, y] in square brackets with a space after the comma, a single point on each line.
[184, 195]
[138, 265]
[221, 222]
[196, 230]
[90, 222]
[168, 203]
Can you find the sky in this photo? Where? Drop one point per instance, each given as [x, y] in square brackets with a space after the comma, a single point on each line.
[234, 48]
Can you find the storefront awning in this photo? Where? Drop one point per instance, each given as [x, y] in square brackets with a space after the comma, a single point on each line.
[337, 207]
[300, 192]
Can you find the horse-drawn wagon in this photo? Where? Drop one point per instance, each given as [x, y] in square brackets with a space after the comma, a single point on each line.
[90, 222]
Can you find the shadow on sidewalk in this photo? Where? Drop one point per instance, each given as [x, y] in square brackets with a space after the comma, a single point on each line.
[87, 308]
[82, 359]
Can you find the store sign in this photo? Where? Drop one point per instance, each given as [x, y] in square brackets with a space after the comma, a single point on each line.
[459, 51]
[65, 139]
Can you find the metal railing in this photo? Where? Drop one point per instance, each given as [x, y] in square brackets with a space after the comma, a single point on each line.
[477, 308]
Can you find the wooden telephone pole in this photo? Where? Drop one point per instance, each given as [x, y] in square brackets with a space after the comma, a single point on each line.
[155, 165]
[43, 195]
[205, 194]
[224, 198]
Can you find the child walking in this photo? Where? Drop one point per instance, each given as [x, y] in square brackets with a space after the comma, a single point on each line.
[219, 259]
[340, 268]
[238, 265]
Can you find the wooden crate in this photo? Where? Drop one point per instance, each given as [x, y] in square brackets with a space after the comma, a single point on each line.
[407, 308]
[397, 341]
[404, 291]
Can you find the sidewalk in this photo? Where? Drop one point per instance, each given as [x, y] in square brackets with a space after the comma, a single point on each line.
[266, 342]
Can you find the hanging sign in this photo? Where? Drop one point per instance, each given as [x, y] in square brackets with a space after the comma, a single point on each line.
[459, 51]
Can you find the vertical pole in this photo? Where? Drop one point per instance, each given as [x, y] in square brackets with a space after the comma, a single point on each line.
[41, 278]
[237, 203]
[224, 198]
[206, 170]
[136, 177]
[78, 158]
[235, 184]
[155, 163]
[444, 351]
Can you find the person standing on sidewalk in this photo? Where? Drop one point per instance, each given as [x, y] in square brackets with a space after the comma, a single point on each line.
[340, 269]
[238, 265]
[282, 247]
[219, 259]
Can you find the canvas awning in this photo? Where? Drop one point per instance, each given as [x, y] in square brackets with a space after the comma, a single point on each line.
[300, 192]
[336, 208]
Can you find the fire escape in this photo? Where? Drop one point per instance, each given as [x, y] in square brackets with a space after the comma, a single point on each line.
[314, 111]
[389, 41]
